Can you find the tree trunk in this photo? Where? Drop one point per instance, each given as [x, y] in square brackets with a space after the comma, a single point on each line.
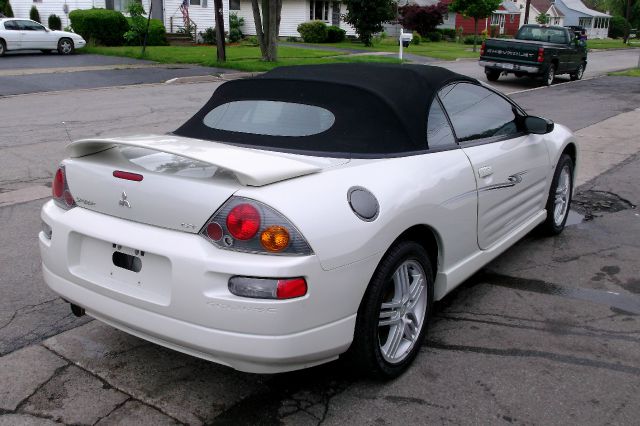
[475, 32]
[259, 33]
[267, 21]
[221, 49]
[526, 11]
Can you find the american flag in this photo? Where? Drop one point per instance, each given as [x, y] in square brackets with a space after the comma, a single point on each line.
[184, 8]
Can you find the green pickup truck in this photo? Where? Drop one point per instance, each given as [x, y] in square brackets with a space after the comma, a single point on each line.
[538, 51]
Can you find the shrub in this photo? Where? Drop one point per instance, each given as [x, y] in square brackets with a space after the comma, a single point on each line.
[447, 32]
[313, 31]
[157, 33]
[5, 8]
[208, 36]
[34, 15]
[435, 36]
[105, 27]
[416, 38]
[54, 22]
[335, 34]
[618, 27]
[137, 24]
[235, 28]
[469, 40]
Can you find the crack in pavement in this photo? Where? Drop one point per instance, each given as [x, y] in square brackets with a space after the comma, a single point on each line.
[56, 372]
[118, 406]
[15, 313]
[105, 383]
[528, 353]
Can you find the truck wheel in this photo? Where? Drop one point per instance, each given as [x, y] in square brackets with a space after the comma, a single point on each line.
[492, 75]
[579, 73]
[550, 75]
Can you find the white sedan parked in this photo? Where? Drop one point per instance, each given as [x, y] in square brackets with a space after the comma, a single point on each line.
[303, 214]
[24, 34]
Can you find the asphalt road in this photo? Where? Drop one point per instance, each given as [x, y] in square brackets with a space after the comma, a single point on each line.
[22, 73]
[548, 333]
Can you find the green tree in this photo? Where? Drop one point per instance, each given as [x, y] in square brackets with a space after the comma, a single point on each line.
[5, 8]
[137, 23]
[34, 15]
[367, 16]
[476, 9]
[543, 18]
[266, 16]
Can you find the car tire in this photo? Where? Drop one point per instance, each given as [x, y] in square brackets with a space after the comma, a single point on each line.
[559, 200]
[550, 75]
[65, 46]
[3, 47]
[492, 75]
[579, 72]
[394, 313]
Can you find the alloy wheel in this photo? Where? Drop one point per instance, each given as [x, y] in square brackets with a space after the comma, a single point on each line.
[66, 46]
[562, 195]
[403, 311]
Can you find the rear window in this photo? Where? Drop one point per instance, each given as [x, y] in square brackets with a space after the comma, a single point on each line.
[549, 35]
[270, 118]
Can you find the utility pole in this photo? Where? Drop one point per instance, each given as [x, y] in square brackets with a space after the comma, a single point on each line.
[219, 13]
[526, 11]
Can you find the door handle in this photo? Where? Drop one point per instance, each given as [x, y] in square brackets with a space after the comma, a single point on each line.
[485, 171]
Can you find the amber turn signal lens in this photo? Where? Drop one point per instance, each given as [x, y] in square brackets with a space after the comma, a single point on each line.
[275, 238]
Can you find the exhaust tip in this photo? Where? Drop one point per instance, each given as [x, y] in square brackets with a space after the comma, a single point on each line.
[77, 310]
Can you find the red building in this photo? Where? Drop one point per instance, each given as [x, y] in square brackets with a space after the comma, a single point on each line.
[506, 18]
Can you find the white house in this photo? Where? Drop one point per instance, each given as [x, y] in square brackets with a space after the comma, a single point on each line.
[576, 13]
[538, 7]
[201, 13]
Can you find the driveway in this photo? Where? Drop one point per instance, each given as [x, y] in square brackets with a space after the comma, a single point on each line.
[22, 73]
[548, 333]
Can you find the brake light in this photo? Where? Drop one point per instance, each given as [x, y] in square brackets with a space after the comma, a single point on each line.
[243, 222]
[482, 48]
[288, 289]
[128, 175]
[60, 190]
[250, 226]
[540, 54]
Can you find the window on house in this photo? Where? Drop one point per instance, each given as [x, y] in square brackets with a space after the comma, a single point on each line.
[512, 18]
[234, 4]
[194, 2]
[319, 10]
[119, 5]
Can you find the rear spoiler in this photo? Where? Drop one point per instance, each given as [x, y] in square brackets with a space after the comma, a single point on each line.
[252, 167]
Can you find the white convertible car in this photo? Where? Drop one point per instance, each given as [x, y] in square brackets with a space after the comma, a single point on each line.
[24, 34]
[307, 213]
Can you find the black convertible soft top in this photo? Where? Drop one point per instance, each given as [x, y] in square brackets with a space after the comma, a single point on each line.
[380, 109]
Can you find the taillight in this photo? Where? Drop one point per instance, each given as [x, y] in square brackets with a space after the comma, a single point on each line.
[268, 288]
[540, 54]
[250, 226]
[60, 190]
[243, 222]
[482, 48]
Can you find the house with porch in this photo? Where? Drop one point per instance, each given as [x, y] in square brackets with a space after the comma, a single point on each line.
[506, 18]
[538, 7]
[576, 13]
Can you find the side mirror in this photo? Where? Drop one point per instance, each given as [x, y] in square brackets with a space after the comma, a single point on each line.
[538, 125]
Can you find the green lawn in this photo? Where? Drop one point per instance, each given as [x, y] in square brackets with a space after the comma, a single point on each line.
[244, 58]
[634, 72]
[607, 43]
[440, 49]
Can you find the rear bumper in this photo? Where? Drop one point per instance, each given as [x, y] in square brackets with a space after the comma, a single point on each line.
[187, 305]
[510, 67]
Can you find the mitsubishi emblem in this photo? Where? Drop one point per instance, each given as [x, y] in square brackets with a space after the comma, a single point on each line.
[124, 202]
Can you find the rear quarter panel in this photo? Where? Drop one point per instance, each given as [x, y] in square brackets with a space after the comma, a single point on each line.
[435, 189]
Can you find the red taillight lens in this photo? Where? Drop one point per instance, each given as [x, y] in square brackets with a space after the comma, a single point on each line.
[60, 190]
[243, 222]
[482, 47]
[214, 231]
[57, 188]
[288, 289]
[540, 54]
